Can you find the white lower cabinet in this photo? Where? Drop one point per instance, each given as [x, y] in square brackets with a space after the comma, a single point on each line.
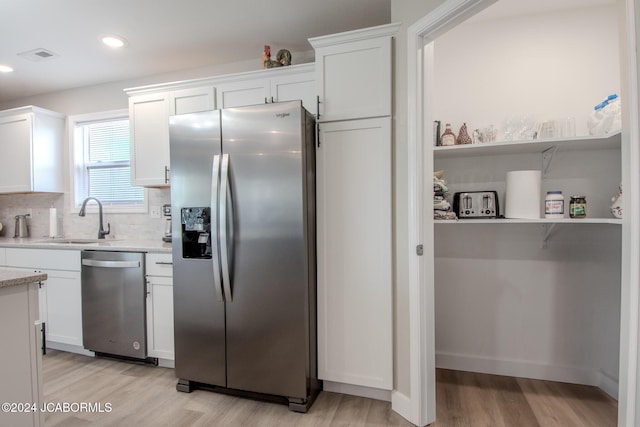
[160, 306]
[63, 307]
[59, 296]
[355, 341]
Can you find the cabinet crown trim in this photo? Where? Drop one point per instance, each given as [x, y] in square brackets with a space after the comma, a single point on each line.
[226, 78]
[30, 109]
[387, 30]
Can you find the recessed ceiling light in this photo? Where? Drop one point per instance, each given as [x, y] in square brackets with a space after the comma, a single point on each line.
[5, 69]
[113, 41]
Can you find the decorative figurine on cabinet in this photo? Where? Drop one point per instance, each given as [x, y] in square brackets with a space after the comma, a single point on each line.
[463, 135]
[283, 58]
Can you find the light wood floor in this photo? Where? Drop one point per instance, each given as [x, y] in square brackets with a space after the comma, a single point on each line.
[146, 396]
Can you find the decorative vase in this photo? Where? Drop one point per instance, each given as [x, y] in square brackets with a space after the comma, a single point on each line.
[463, 135]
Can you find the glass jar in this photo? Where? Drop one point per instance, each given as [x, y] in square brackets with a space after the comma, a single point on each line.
[578, 207]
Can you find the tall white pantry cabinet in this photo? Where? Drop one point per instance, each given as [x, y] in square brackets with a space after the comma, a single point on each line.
[354, 210]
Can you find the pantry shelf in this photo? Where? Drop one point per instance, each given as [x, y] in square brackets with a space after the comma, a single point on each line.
[613, 221]
[530, 146]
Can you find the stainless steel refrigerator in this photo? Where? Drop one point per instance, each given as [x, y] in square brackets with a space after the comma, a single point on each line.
[244, 278]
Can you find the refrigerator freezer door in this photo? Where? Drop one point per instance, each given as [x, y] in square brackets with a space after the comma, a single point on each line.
[198, 313]
[267, 324]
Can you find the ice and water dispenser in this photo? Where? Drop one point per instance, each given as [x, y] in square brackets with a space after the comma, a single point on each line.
[196, 232]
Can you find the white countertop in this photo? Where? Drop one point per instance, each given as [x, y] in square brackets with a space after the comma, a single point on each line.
[129, 245]
[14, 278]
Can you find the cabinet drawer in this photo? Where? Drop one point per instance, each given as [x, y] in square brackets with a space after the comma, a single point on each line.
[50, 259]
[159, 265]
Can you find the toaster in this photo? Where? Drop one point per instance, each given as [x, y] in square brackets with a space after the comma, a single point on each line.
[476, 204]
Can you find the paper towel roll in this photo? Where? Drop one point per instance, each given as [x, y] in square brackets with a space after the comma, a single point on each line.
[523, 194]
[53, 222]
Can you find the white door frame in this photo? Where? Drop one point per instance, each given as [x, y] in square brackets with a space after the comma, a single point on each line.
[421, 406]
[628, 393]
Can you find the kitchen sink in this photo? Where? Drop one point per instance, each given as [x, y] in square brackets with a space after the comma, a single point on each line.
[76, 241]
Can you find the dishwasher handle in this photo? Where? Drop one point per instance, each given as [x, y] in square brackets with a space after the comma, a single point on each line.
[110, 264]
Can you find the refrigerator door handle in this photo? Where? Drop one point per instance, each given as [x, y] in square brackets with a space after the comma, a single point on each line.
[225, 188]
[215, 241]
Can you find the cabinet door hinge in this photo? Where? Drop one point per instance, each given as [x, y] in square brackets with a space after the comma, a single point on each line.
[419, 250]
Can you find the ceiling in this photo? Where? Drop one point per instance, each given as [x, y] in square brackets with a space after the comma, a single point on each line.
[510, 8]
[163, 36]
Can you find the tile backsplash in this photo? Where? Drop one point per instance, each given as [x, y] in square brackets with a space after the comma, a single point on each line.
[123, 226]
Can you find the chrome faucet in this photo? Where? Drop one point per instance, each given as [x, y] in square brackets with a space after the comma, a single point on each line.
[101, 231]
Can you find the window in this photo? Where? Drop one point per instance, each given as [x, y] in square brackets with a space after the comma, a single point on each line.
[101, 144]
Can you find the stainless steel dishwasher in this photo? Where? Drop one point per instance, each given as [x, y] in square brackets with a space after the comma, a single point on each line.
[114, 303]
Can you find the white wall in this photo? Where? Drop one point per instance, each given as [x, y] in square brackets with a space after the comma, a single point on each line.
[104, 97]
[544, 66]
[111, 96]
[504, 304]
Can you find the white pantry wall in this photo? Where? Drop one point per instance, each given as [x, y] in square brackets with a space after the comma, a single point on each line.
[505, 303]
[543, 66]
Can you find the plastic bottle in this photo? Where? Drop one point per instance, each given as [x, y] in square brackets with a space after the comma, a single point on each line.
[554, 205]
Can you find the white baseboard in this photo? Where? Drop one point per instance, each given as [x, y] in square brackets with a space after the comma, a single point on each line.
[167, 363]
[401, 404]
[70, 348]
[527, 369]
[607, 384]
[357, 390]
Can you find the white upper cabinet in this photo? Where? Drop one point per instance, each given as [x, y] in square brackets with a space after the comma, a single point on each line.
[243, 92]
[151, 106]
[291, 87]
[192, 100]
[31, 139]
[149, 117]
[266, 86]
[353, 73]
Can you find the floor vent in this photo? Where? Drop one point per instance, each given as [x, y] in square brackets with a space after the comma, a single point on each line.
[39, 54]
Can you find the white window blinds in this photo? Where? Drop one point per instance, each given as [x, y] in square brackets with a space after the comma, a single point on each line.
[106, 162]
